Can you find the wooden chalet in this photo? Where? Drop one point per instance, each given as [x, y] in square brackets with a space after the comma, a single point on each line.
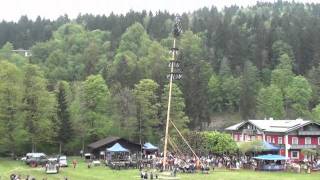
[291, 135]
[99, 147]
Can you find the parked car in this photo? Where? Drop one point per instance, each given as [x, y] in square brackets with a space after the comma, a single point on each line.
[35, 159]
[63, 161]
[29, 155]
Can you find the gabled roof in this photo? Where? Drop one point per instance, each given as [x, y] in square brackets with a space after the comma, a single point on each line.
[103, 142]
[235, 127]
[273, 125]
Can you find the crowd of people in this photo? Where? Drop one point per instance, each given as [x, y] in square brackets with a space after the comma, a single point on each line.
[28, 177]
[151, 164]
[190, 164]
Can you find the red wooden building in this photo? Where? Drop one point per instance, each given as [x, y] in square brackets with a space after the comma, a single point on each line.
[291, 135]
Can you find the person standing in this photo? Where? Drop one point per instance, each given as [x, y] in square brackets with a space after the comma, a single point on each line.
[74, 162]
[81, 153]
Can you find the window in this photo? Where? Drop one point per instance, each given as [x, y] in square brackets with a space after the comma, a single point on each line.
[236, 137]
[318, 140]
[247, 138]
[295, 154]
[253, 138]
[307, 140]
[259, 138]
[273, 140]
[295, 140]
[269, 139]
[280, 140]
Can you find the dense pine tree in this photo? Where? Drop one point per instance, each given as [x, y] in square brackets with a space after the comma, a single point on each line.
[63, 125]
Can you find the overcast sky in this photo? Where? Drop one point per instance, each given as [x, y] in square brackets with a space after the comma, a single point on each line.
[14, 9]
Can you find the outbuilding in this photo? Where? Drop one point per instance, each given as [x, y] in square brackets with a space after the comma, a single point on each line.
[98, 148]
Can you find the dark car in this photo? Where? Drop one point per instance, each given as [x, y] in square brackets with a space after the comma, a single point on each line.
[37, 161]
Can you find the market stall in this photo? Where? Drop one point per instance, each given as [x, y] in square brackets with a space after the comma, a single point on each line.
[118, 156]
[270, 162]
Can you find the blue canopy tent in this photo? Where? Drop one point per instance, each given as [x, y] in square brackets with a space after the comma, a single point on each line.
[270, 162]
[269, 147]
[117, 148]
[271, 157]
[117, 153]
[150, 147]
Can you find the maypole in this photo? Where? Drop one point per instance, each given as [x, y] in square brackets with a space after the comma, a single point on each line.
[172, 75]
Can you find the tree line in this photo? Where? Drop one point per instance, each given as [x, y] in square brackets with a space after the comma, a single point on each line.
[96, 76]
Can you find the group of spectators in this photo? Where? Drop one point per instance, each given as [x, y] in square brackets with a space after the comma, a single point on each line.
[19, 177]
[28, 177]
[306, 165]
[189, 164]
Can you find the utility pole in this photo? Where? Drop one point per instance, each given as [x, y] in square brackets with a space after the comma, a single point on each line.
[172, 75]
[140, 138]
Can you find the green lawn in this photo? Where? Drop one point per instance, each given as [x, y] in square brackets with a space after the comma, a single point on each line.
[8, 167]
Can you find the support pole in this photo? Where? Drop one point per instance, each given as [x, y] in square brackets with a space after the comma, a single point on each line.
[60, 147]
[185, 141]
[174, 146]
[169, 105]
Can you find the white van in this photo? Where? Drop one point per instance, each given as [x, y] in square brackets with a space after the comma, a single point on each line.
[63, 161]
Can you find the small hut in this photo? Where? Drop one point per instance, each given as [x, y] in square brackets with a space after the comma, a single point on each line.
[98, 148]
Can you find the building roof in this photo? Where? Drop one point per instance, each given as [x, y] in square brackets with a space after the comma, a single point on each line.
[272, 125]
[235, 127]
[103, 142]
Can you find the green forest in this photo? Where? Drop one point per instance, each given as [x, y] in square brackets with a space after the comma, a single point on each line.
[96, 75]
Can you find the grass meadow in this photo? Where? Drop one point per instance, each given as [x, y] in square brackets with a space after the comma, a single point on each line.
[81, 172]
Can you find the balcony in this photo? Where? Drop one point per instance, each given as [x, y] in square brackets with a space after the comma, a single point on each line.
[249, 131]
[305, 146]
[308, 133]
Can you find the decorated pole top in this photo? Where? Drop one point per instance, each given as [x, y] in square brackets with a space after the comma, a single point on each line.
[177, 26]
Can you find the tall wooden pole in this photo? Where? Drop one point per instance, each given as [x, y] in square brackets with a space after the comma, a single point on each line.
[169, 105]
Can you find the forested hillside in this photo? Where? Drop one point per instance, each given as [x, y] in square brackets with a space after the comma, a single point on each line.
[95, 76]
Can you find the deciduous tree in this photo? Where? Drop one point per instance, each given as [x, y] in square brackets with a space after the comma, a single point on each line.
[39, 106]
[95, 105]
[147, 110]
[270, 102]
[12, 132]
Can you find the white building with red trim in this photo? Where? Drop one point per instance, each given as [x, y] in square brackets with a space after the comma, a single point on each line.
[291, 135]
